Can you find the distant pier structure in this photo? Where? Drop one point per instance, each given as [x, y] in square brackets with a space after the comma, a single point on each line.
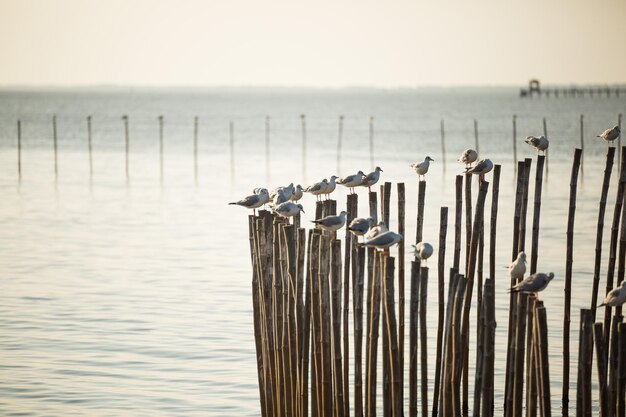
[534, 89]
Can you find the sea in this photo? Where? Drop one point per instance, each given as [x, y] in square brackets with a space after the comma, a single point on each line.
[125, 276]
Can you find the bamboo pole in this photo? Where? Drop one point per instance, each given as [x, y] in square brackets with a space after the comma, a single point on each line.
[585, 346]
[353, 205]
[613, 248]
[532, 387]
[457, 221]
[372, 338]
[325, 320]
[89, 146]
[613, 366]
[55, 143]
[413, 314]
[339, 144]
[536, 214]
[545, 133]
[386, 203]
[401, 289]
[598, 337]
[541, 324]
[445, 397]
[19, 150]
[195, 150]
[621, 387]
[335, 311]
[457, 342]
[489, 345]
[582, 140]
[127, 146]
[495, 194]
[391, 336]
[569, 260]
[443, 229]
[479, 366]
[316, 366]
[468, 220]
[524, 208]
[619, 138]
[621, 264]
[385, 190]
[602, 207]
[423, 295]
[358, 270]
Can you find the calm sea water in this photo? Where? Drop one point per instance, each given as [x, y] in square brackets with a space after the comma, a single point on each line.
[132, 297]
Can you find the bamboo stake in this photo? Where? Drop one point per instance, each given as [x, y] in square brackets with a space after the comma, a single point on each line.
[372, 339]
[423, 294]
[569, 260]
[621, 265]
[605, 189]
[401, 289]
[316, 391]
[413, 314]
[457, 221]
[601, 355]
[524, 208]
[489, 343]
[495, 193]
[621, 385]
[613, 249]
[447, 363]
[468, 220]
[352, 204]
[89, 147]
[325, 320]
[545, 133]
[479, 367]
[443, 229]
[55, 141]
[391, 336]
[532, 387]
[619, 138]
[386, 202]
[582, 140]
[358, 270]
[536, 214]
[335, 311]
[541, 323]
[583, 393]
[613, 367]
[457, 342]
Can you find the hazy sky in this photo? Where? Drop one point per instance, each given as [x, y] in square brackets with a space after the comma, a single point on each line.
[382, 43]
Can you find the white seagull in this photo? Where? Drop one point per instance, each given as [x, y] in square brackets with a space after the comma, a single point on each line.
[371, 178]
[332, 223]
[610, 135]
[540, 143]
[375, 230]
[383, 240]
[421, 168]
[360, 225]
[317, 189]
[517, 268]
[253, 201]
[330, 187]
[468, 157]
[352, 181]
[297, 193]
[481, 168]
[616, 297]
[288, 209]
[422, 250]
[534, 283]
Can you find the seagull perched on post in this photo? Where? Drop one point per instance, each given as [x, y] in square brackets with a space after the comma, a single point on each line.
[468, 157]
[610, 135]
[383, 240]
[481, 168]
[288, 209]
[423, 250]
[422, 168]
[297, 193]
[330, 187]
[360, 226]
[317, 189]
[253, 201]
[616, 297]
[352, 181]
[332, 223]
[375, 230]
[287, 191]
[517, 268]
[371, 178]
[534, 283]
[540, 143]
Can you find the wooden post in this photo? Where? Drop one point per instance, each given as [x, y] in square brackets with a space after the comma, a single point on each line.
[468, 219]
[413, 315]
[195, 149]
[358, 271]
[514, 139]
[55, 141]
[582, 140]
[541, 323]
[489, 346]
[161, 147]
[458, 212]
[352, 204]
[524, 208]
[569, 260]
[127, 145]
[303, 126]
[372, 141]
[545, 133]
[372, 339]
[476, 136]
[423, 291]
[495, 193]
[390, 330]
[621, 384]
[339, 143]
[443, 229]
[598, 337]
[585, 349]
[536, 213]
[613, 248]
[19, 150]
[605, 189]
[443, 144]
[613, 366]
[335, 311]
[386, 200]
[89, 147]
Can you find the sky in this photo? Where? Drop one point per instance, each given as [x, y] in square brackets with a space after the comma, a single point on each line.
[321, 43]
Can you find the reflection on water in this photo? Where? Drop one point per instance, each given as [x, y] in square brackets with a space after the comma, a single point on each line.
[134, 299]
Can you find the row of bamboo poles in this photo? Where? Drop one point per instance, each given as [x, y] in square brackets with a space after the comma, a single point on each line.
[301, 302]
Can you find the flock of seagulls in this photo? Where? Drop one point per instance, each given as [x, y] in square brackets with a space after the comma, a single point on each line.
[284, 202]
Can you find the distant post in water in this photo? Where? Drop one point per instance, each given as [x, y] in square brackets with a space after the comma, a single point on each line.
[476, 135]
[232, 150]
[267, 148]
[161, 146]
[545, 133]
[55, 140]
[371, 141]
[195, 149]
[127, 143]
[619, 140]
[339, 140]
[303, 122]
[19, 149]
[582, 141]
[443, 144]
[89, 146]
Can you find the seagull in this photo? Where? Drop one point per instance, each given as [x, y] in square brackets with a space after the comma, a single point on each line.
[468, 157]
[288, 209]
[371, 178]
[279, 197]
[260, 190]
[352, 181]
[288, 191]
[360, 225]
[534, 283]
[317, 189]
[517, 268]
[383, 240]
[375, 230]
[539, 142]
[610, 135]
[253, 201]
[297, 193]
[330, 187]
[423, 250]
[481, 168]
[332, 223]
[616, 297]
[422, 168]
